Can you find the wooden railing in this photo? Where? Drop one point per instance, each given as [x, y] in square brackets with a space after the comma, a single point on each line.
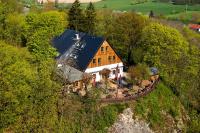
[135, 96]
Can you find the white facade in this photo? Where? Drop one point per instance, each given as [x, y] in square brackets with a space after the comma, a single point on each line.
[111, 67]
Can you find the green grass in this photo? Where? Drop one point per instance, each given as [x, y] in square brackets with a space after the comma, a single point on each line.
[157, 7]
[160, 100]
[184, 16]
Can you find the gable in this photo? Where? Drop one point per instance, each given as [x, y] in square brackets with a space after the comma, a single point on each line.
[76, 53]
[105, 55]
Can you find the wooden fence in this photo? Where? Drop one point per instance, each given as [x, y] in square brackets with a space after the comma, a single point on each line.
[139, 94]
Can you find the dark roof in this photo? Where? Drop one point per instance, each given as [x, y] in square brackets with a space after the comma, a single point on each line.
[77, 52]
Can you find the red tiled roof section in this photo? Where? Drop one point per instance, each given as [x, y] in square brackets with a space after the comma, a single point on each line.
[194, 26]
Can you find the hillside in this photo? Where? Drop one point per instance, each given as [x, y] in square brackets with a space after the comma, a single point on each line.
[145, 7]
[37, 95]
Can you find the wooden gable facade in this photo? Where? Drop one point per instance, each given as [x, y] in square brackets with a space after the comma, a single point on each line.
[104, 56]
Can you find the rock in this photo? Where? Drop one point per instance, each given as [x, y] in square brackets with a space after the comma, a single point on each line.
[153, 78]
[136, 88]
[82, 92]
[111, 85]
[145, 83]
[126, 124]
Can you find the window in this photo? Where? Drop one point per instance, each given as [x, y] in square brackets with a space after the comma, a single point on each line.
[102, 49]
[94, 61]
[99, 61]
[113, 58]
[76, 83]
[109, 58]
[113, 72]
[94, 76]
[106, 48]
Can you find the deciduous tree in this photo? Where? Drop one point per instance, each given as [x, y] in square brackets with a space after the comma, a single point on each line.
[127, 34]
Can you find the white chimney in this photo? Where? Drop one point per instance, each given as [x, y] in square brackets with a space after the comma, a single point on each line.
[77, 37]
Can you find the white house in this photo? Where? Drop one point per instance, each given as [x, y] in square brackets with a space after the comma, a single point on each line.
[81, 53]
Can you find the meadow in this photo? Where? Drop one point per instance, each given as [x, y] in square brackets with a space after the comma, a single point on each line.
[157, 7]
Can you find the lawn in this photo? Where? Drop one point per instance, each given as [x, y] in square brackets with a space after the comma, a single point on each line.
[157, 7]
[184, 16]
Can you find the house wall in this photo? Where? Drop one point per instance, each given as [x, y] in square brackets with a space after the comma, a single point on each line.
[96, 70]
[106, 56]
[107, 61]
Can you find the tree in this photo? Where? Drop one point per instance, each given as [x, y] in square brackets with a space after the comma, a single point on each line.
[139, 72]
[127, 34]
[41, 28]
[151, 14]
[163, 51]
[75, 17]
[7, 7]
[90, 19]
[15, 29]
[28, 95]
[40, 45]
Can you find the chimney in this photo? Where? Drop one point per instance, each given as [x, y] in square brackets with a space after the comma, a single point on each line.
[77, 37]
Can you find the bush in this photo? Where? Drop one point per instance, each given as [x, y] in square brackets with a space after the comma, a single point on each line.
[107, 116]
[139, 72]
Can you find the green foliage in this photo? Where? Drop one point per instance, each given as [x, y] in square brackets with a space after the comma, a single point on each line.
[27, 93]
[158, 105]
[40, 46]
[15, 29]
[7, 7]
[144, 8]
[194, 123]
[15, 71]
[166, 51]
[177, 58]
[82, 21]
[127, 34]
[52, 21]
[85, 115]
[139, 72]
[76, 17]
[40, 30]
[90, 19]
[107, 116]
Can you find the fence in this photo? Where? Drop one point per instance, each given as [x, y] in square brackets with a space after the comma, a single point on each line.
[142, 93]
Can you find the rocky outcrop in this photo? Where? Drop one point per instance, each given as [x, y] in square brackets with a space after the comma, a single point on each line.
[126, 124]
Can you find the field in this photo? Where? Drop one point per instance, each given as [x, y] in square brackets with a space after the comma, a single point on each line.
[157, 7]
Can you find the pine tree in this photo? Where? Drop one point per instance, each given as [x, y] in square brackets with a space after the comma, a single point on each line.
[75, 17]
[90, 19]
[151, 14]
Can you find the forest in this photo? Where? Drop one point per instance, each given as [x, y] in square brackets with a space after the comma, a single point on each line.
[31, 96]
